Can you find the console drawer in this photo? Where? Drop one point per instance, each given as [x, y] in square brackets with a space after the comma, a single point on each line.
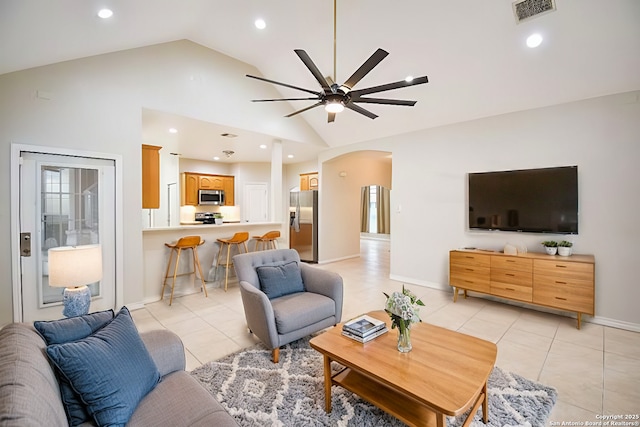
[512, 263]
[470, 277]
[563, 269]
[469, 259]
[576, 295]
[514, 277]
[516, 292]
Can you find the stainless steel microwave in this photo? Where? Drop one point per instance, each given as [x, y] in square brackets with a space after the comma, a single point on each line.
[211, 197]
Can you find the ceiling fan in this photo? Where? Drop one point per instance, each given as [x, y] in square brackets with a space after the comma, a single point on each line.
[336, 98]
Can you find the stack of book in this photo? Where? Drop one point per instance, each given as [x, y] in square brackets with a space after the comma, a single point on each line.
[364, 328]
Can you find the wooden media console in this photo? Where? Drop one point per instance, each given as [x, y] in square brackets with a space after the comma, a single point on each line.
[564, 283]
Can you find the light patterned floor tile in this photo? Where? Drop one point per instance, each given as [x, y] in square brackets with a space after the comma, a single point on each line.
[595, 369]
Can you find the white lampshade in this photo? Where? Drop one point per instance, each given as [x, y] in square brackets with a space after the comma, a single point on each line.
[71, 266]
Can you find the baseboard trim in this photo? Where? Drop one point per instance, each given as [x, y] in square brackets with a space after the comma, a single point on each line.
[132, 306]
[614, 323]
[327, 261]
[425, 283]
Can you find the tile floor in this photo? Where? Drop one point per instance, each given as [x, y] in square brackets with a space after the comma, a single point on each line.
[596, 370]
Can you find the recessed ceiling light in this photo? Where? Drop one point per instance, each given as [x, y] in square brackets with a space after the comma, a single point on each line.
[290, 156]
[263, 146]
[216, 158]
[260, 24]
[534, 40]
[105, 13]
[173, 130]
[408, 79]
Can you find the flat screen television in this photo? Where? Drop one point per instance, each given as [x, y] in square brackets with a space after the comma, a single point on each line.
[531, 200]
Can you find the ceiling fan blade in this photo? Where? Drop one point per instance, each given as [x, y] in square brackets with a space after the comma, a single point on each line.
[284, 99]
[360, 110]
[385, 101]
[284, 84]
[304, 109]
[329, 80]
[314, 70]
[389, 86]
[364, 69]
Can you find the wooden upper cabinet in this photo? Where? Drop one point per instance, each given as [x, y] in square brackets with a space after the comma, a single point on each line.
[192, 182]
[150, 177]
[228, 187]
[309, 181]
[211, 182]
[313, 182]
[190, 188]
[304, 182]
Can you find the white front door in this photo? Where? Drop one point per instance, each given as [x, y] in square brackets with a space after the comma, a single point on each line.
[65, 201]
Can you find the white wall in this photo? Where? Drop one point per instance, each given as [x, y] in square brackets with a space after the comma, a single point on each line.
[96, 105]
[601, 136]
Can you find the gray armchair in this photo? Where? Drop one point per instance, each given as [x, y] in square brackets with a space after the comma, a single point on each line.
[283, 319]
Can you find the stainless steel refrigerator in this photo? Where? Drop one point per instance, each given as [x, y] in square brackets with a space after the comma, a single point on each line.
[303, 224]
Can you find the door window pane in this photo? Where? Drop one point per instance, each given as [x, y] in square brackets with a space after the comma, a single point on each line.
[69, 203]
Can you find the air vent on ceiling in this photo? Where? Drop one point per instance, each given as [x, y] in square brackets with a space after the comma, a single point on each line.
[528, 9]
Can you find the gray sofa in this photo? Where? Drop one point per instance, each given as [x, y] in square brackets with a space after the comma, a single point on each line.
[279, 320]
[30, 394]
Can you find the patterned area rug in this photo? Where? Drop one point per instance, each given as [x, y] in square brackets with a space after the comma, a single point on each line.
[257, 392]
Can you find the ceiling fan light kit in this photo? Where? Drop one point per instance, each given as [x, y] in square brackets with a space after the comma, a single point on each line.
[335, 98]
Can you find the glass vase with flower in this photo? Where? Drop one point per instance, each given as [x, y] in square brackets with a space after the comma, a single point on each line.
[403, 308]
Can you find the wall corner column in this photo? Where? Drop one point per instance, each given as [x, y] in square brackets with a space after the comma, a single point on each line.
[275, 206]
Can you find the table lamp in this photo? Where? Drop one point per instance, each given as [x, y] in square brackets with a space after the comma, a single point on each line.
[73, 268]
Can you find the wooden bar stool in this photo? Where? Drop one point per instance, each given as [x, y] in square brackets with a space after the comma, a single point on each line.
[267, 240]
[184, 243]
[238, 239]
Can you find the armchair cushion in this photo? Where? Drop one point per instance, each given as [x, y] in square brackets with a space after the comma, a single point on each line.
[281, 279]
[295, 311]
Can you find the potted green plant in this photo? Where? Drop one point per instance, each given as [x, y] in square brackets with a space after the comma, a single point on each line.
[564, 248]
[551, 246]
[217, 217]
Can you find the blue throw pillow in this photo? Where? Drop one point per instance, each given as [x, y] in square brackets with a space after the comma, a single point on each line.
[67, 330]
[279, 280]
[72, 328]
[111, 370]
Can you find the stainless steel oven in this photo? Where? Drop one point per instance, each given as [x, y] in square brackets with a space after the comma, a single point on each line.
[211, 197]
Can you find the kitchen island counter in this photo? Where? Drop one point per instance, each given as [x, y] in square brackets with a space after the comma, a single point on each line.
[193, 226]
[156, 254]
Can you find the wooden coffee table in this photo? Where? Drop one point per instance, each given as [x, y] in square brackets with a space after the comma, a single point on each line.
[445, 374]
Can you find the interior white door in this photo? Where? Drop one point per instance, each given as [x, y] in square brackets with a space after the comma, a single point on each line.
[65, 201]
[255, 202]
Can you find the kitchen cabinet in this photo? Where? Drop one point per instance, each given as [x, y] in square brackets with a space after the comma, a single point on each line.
[192, 182]
[150, 177]
[189, 189]
[207, 182]
[228, 184]
[309, 181]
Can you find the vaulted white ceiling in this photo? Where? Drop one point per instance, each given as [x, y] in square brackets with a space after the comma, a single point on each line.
[473, 52]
